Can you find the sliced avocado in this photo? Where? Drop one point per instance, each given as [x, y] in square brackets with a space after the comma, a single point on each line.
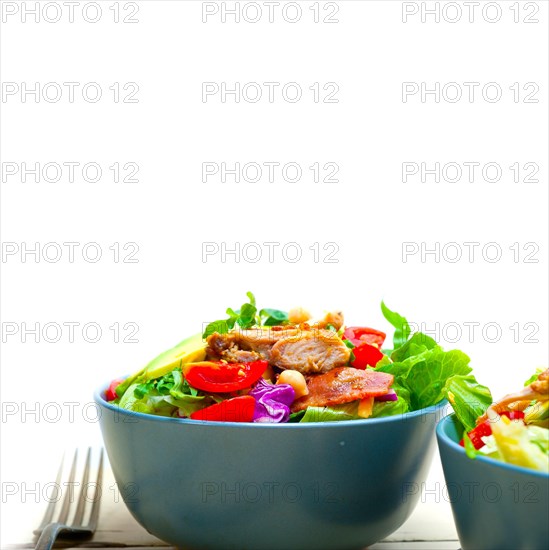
[189, 350]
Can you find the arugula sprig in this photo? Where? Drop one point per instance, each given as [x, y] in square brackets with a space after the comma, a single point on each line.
[172, 384]
[248, 316]
[273, 317]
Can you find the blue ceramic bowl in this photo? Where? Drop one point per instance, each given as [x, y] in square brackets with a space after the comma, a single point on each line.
[495, 505]
[209, 485]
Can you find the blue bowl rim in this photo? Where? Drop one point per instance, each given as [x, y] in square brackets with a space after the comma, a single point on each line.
[102, 402]
[448, 441]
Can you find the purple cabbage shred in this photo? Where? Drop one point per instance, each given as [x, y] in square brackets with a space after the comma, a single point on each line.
[272, 401]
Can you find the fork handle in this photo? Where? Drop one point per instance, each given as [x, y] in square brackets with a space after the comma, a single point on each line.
[48, 536]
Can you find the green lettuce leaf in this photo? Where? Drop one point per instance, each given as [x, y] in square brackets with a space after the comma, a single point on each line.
[539, 437]
[297, 416]
[121, 388]
[468, 398]
[427, 379]
[421, 367]
[164, 396]
[402, 328]
[180, 388]
[186, 404]
[129, 398]
[349, 411]
[143, 389]
[416, 345]
[390, 408]
[327, 414]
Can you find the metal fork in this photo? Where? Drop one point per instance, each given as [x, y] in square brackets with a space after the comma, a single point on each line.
[50, 530]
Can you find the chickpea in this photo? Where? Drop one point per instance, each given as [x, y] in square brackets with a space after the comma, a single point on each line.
[298, 315]
[334, 318]
[296, 380]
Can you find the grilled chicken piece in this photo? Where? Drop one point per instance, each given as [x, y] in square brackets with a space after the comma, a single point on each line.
[537, 390]
[262, 340]
[223, 346]
[303, 349]
[247, 345]
[311, 351]
[343, 385]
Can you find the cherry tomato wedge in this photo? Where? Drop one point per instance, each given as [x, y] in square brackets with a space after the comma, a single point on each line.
[110, 394]
[361, 335]
[220, 377]
[476, 435]
[485, 429]
[366, 355]
[237, 409]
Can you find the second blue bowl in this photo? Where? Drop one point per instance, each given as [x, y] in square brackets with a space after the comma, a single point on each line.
[496, 506]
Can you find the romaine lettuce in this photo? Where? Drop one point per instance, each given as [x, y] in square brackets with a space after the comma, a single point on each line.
[390, 408]
[349, 411]
[422, 367]
[402, 328]
[424, 374]
[468, 398]
[329, 414]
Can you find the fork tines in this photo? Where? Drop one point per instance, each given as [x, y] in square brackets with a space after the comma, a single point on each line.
[72, 488]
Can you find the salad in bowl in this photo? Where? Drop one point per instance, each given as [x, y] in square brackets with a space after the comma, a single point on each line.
[515, 429]
[506, 486]
[272, 366]
[277, 431]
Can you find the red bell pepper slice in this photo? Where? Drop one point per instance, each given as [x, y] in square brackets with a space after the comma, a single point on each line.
[237, 409]
[221, 377]
[110, 394]
[361, 335]
[485, 429]
[366, 355]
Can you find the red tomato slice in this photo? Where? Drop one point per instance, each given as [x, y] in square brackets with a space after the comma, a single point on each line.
[238, 409]
[361, 335]
[220, 377]
[485, 429]
[110, 394]
[476, 434]
[366, 355]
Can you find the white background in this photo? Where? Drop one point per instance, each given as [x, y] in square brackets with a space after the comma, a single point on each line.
[370, 213]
